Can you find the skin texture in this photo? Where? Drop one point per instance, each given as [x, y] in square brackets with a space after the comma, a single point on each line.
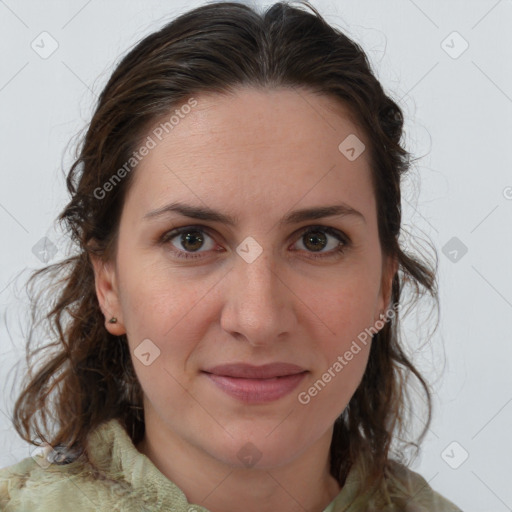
[255, 155]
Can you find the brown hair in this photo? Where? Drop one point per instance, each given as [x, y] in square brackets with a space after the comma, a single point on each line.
[215, 48]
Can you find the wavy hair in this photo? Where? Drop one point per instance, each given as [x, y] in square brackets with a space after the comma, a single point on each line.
[87, 376]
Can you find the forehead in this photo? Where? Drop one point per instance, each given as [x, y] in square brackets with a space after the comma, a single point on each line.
[254, 148]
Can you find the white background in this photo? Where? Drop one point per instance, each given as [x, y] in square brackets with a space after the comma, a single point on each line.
[459, 113]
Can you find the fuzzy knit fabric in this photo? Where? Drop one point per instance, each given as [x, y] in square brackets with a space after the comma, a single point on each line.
[118, 477]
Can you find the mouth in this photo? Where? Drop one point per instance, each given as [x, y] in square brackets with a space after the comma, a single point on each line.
[256, 384]
[248, 371]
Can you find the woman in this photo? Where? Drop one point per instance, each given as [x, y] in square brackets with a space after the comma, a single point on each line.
[232, 332]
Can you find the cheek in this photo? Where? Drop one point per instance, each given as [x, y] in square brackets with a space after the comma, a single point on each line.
[169, 309]
[346, 306]
[327, 394]
[153, 296]
[346, 352]
[343, 339]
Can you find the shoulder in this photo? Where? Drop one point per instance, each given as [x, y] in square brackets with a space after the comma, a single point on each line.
[400, 490]
[45, 484]
[410, 492]
[112, 476]
[12, 479]
[33, 485]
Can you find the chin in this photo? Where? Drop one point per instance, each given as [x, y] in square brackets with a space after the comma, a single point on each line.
[259, 452]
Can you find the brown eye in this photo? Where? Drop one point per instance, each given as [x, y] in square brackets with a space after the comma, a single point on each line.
[191, 240]
[187, 240]
[315, 239]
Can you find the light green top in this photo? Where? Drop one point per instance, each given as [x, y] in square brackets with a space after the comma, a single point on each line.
[123, 479]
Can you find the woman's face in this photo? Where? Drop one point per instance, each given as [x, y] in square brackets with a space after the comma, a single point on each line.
[271, 286]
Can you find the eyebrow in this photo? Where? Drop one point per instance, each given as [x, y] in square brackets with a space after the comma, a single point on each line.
[206, 213]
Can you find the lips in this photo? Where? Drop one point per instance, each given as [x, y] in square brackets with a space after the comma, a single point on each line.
[247, 371]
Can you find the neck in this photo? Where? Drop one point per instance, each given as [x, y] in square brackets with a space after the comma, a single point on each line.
[303, 484]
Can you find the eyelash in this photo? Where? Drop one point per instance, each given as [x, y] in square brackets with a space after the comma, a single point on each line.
[168, 236]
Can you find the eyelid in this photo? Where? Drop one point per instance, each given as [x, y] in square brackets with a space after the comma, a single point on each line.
[209, 230]
[335, 232]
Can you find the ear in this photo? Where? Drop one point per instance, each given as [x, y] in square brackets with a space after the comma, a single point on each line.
[108, 294]
[389, 270]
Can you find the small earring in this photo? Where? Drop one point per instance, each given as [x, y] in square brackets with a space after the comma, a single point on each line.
[113, 320]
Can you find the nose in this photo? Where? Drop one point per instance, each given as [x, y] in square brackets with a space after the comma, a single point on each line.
[259, 304]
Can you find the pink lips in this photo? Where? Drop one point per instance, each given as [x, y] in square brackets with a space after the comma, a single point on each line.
[256, 384]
